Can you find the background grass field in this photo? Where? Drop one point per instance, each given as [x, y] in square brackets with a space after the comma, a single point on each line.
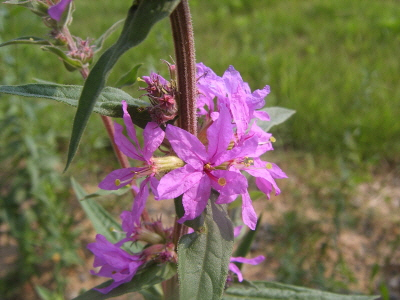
[336, 63]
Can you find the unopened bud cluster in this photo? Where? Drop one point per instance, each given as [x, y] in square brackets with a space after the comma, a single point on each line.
[162, 94]
[83, 51]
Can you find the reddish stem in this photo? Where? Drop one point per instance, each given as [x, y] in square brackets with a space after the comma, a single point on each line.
[109, 125]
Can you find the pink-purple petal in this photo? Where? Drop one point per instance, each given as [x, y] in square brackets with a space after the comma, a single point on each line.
[249, 216]
[140, 201]
[56, 11]
[261, 115]
[130, 128]
[153, 136]
[124, 176]
[251, 261]
[244, 148]
[115, 262]
[154, 182]
[178, 181]
[237, 230]
[187, 146]
[125, 145]
[195, 199]
[240, 111]
[256, 100]
[234, 268]
[236, 183]
[219, 135]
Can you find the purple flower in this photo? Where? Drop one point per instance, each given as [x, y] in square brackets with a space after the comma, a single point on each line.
[115, 263]
[233, 92]
[202, 171]
[152, 137]
[265, 173]
[56, 11]
[252, 261]
[209, 85]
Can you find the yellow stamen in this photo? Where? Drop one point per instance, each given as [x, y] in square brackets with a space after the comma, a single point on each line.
[117, 182]
[272, 139]
[268, 166]
[248, 161]
[221, 181]
[207, 167]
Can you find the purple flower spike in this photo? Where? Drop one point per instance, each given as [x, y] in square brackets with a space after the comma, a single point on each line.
[115, 263]
[56, 11]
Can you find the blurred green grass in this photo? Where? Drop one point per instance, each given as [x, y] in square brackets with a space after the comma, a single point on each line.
[334, 62]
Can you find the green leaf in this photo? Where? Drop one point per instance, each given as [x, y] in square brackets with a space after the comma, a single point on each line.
[152, 293]
[26, 40]
[46, 294]
[204, 256]
[141, 18]
[102, 221]
[128, 78]
[69, 62]
[98, 44]
[258, 290]
[246, 242]
[278, 115]
[144, 279]
[101, 193]
[108, 104]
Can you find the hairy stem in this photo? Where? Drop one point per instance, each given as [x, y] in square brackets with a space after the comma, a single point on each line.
[182, 31]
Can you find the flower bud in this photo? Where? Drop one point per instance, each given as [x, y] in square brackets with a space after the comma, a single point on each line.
[167, 163]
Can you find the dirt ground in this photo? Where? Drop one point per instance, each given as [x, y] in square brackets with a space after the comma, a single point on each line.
[371, 245]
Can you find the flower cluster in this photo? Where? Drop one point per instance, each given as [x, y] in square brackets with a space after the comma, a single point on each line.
[229, 143]
[122, 265]
[83, 51]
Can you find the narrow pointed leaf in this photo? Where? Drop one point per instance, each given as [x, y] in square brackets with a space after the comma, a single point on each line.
[108, 104]
[259, 290]
[73, 63]
[144, 279]
[102, 221]
[141, 18]
[204, 257]
[32, 40]
[277, 114]
[128, 78]
[102, 193]
[152, 293]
